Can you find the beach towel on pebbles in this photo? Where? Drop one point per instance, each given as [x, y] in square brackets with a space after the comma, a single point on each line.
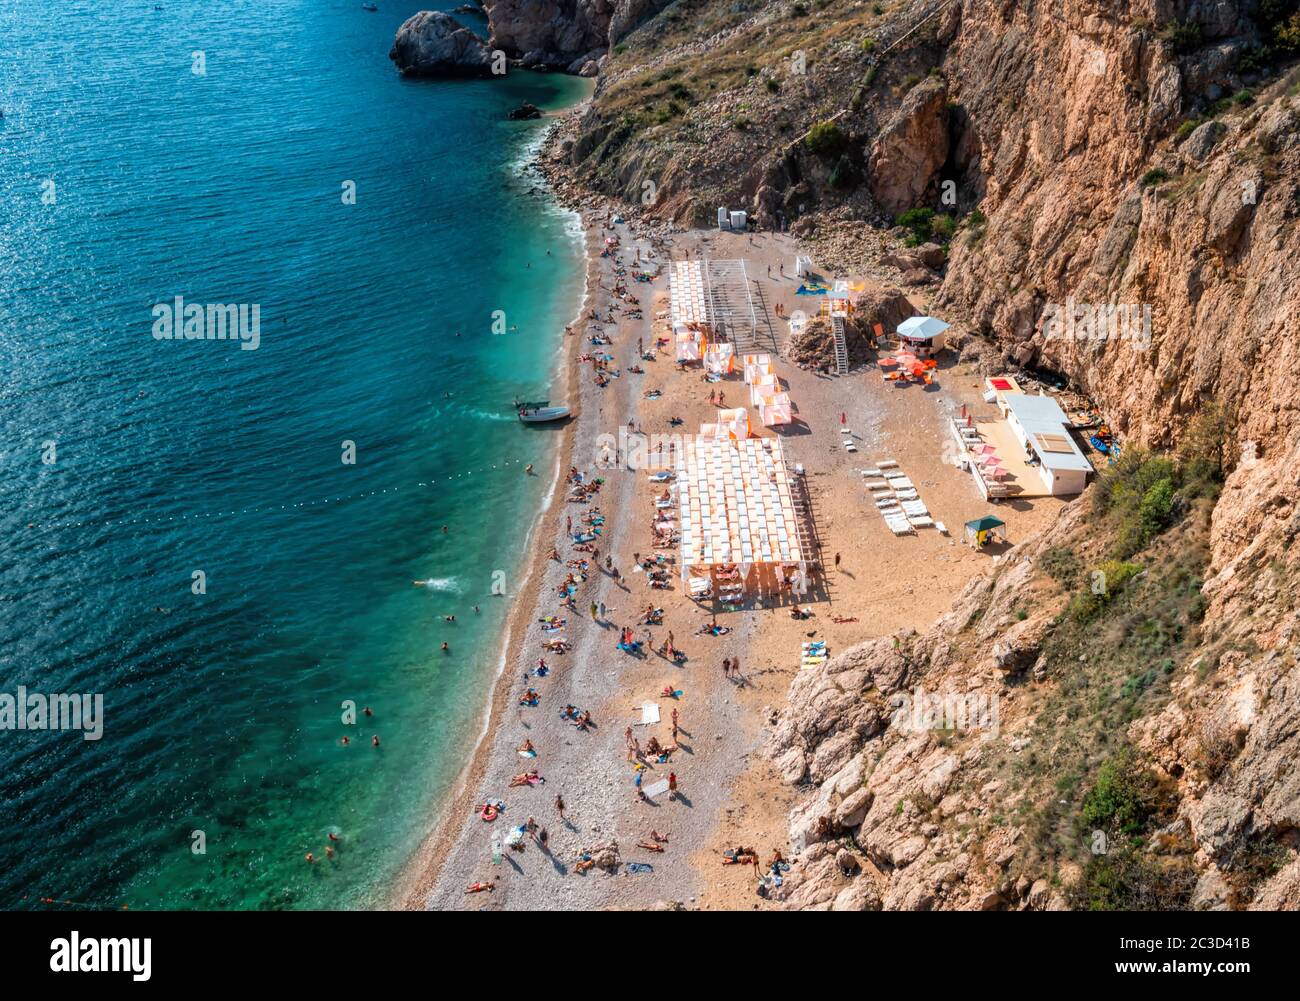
[658, 789]
[649, 713]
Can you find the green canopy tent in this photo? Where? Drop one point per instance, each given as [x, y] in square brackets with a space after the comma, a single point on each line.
[977, 531]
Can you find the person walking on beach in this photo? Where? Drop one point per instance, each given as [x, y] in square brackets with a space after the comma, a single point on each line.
[559, 805]
[735, 667]
[726, 667]
[837, 561]
[672, 785]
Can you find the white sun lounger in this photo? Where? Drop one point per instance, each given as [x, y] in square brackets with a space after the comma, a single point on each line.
[941, 527]
[920, 521]
[887, 464]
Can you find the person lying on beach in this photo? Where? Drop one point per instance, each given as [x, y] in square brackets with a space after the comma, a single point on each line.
[530, 698]
[532, 777]
[480, 887]
[656, 836]
[582, 720]
[650, 846]
[584, 863]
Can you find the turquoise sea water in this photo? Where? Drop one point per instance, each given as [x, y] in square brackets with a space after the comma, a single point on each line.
[223, 711]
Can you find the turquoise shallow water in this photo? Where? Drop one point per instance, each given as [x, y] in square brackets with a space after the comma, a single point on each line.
[222, 711]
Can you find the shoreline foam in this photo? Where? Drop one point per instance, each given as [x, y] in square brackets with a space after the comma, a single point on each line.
[419, 875]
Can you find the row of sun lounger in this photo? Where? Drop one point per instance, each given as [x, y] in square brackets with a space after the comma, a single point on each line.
[896, 498]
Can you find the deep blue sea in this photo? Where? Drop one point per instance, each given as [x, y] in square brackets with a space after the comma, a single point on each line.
[127, 179]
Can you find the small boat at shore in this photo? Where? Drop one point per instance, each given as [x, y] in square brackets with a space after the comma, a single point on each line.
[370, 6]
[540, 412]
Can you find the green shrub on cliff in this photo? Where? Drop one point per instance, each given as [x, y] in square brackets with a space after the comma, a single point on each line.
[845, 175]
[1184, 36]
[825, 139]
[1123, 797]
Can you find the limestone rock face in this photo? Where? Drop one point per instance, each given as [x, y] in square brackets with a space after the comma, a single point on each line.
[907, 154]
[630, 14]
[1202, 141]
[551, 33]
[434, 44]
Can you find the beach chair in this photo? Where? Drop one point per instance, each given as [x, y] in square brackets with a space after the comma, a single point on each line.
[887, 464]
[920, 521]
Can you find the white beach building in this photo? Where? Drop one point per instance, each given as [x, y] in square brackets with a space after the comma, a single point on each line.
[1041, 427]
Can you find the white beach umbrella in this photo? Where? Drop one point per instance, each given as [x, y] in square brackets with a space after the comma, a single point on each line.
[922, 327]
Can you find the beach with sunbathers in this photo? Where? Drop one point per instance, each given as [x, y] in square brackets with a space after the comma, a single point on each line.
[644, 706]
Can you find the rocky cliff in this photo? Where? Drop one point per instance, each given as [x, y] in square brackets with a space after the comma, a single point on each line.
[1135, 167]
[561, 33]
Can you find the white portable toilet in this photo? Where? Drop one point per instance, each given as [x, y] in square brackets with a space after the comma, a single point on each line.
[722, 217]
[738, 220]
[802, 267]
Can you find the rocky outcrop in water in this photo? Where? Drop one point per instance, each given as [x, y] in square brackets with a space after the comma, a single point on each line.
[434, 44]
[525, 112]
